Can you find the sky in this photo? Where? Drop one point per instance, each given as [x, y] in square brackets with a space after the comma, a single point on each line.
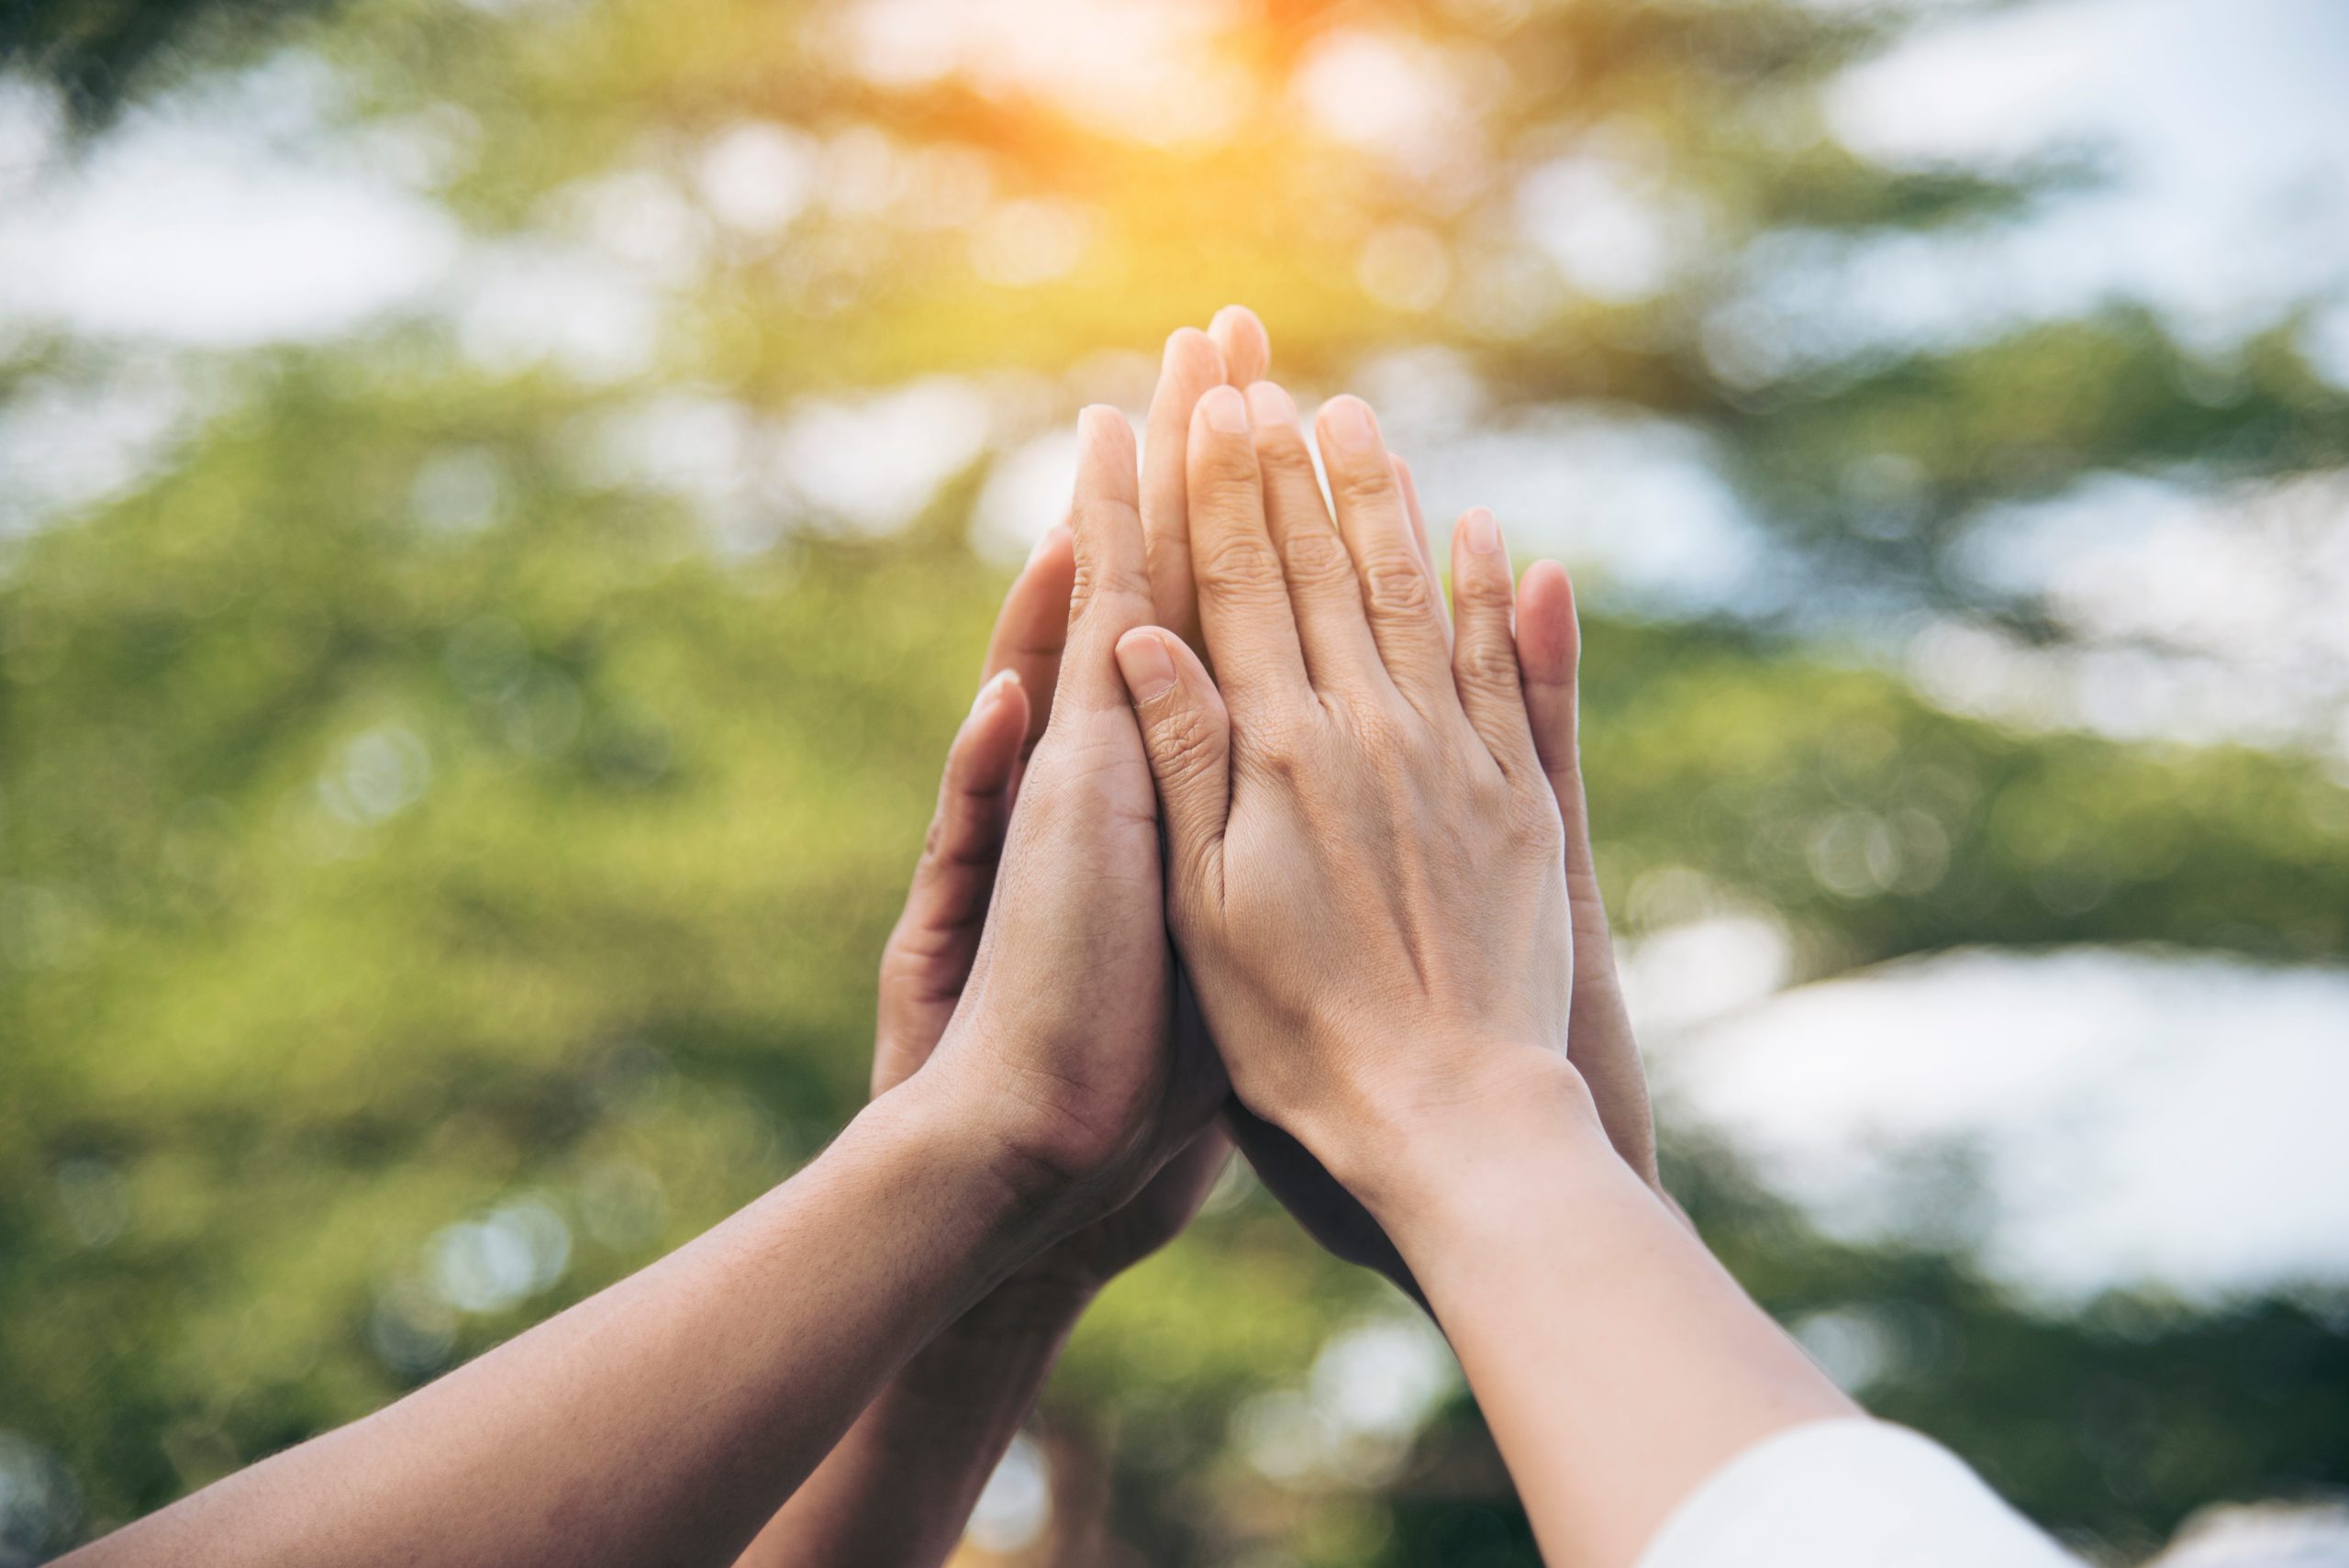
[2137, 1117]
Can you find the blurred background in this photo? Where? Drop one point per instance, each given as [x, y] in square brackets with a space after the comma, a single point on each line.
[500, 502]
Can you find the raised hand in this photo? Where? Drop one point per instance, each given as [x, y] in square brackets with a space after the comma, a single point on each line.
[1599, 1027]
[671, 1416]
[929, 953]
[1061, 1043]
[899, 1486]
[1367, 861]
[1367, 871]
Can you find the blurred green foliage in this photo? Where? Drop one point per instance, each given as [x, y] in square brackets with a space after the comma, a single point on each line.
[414, 917]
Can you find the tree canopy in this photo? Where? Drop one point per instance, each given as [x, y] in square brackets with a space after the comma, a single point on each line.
[455, 798]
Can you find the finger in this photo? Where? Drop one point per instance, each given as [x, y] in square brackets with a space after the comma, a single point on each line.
[1247, 347]
[1484, 661]
[1549, 649]
[1188, 732]
[1406, 615]
[929, 953]
[1599, 1027]
[956, 871]
[1032, 627]
[1244, 612]
[1110, 591]
[1323, 589]
[1192, 364]
[1410, 487]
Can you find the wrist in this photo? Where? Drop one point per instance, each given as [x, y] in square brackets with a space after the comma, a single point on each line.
[1423, 1161]
[982, 1172]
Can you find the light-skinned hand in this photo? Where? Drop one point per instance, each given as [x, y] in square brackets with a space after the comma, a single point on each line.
[1365, 857]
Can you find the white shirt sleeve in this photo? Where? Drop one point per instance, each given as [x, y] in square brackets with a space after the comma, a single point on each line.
[1848, 1494]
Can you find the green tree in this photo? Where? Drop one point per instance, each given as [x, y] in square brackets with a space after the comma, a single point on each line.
[453, 803]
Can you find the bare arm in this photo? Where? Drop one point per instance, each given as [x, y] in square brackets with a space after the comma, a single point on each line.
[666, 1418]
[662, 1419]
[899, 1487]
[1367, 884]
[1618, 1364]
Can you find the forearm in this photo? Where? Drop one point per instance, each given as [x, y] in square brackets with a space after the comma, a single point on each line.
[663, 1419]
[1616, 1362]
[897, 1491]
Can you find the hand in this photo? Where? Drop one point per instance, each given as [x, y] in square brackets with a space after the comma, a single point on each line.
[1061, 1043]
[1599, 1025]
[1365, 858]
[929, 953]
[899, 1486]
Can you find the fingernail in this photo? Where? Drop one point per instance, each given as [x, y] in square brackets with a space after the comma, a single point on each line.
[1347, 420]
[1225, 411]
[994, 688]
[1050, 534]
[1268, 404]
[1147, 668]
[1483, 534]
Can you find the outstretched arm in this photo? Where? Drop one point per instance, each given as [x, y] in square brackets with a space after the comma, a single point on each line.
[1367, 884]
[898, 1487]
[666, 1418]
[662, 1419]
[897, 1490]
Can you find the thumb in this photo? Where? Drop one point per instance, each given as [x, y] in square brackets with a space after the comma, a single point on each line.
[1188, 736]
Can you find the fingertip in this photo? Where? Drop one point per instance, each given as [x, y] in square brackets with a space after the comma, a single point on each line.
[1105, 463]
[1054, 540]
[1270, 406]
[1546, 621]
[1247, 348]
[1191, 355]
[1349, 427]
[986, 749]
[1100, 424]
[1550, 591]
[1479, 533]
[1147, 663]
[1223, 411]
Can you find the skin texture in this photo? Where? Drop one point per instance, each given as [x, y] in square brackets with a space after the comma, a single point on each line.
[1043, 1082]
[666, 1419]
[1599, 1031]
[900, 1485]
[1367, 868]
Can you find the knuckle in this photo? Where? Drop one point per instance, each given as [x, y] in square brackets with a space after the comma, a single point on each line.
[1395, 586]
[1226, 465]
[1235, 560]
[1485, 590]
[933, 841]
[1185, 741]
[1099, 579]
[1282, 456]
[1487, 663]
[1366, 483]
[1275, 747]
[1317, 559]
